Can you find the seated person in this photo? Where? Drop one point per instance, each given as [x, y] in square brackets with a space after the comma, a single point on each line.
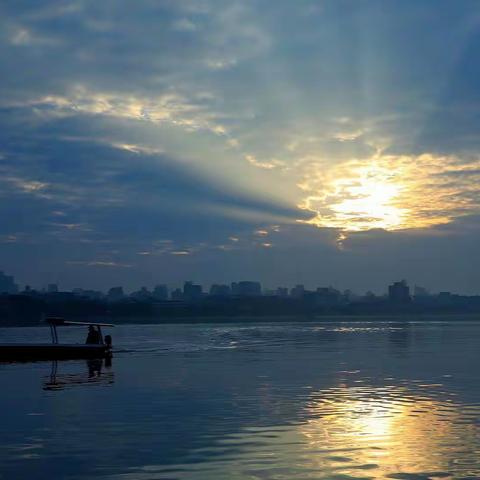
[93, 335]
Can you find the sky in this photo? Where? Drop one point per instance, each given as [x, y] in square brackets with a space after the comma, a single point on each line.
[326, 142]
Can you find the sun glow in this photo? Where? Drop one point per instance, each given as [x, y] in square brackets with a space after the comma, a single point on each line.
[369, 201]
[390, 192]
[363, 200]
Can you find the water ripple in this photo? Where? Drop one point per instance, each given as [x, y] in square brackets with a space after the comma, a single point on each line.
[339, 401]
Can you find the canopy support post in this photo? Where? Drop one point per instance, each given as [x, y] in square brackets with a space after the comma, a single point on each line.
[100, 333]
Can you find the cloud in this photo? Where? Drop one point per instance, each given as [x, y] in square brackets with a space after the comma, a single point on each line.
[200, 121]
[393, 192]
[184, 25]
[169, 108]
[268, 165]
[100, 263]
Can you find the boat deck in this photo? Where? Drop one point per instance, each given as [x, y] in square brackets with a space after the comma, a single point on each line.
[49, 351]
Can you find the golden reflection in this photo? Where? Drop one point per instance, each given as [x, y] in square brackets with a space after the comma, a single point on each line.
[390, 192]
[348, 433]
[387, 432]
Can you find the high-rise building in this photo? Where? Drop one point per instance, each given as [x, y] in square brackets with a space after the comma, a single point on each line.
[220, 290]
[269, 293]
[420, 292]
[7, 284]
[445, 299]
[90, 294]
[142, 295]
[327, 296]
[399, 292]
[160, 292]
[247, 289]
[298, 291]
[349, 296]
[177, 295]
[52, 288]
[192, 291]
[115, 294]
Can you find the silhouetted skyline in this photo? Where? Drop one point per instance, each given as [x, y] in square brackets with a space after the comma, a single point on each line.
[396, 293]
[241, 300]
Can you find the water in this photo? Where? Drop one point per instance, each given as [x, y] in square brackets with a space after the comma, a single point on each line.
[258, 401]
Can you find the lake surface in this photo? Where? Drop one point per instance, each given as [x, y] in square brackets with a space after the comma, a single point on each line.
[320, 400]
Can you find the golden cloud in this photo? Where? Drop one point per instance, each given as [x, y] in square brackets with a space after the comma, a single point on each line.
[391, 192]
[171, 108]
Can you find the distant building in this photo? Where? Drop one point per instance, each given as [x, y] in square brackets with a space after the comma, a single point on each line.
[445, 295]
[220, 290]
[269, 293]
[160, 292]
[369, 297]
[192, 291]
[298, 291]
[327, 296]
[115, 294]
[445, 298]
[61, 297]
[142, 294]
[7, 284]
[177, 295]
[90, 294]
[93, 294]
[247, 289]
[27, 290]
[52, 288]
[420, 292]
[282, 292]
[349, 296]
[399, 292]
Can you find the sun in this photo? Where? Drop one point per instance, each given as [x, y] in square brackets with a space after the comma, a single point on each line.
[366, 198]
[369, 201]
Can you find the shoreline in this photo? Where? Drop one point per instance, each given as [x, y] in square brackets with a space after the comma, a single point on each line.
[391, 318]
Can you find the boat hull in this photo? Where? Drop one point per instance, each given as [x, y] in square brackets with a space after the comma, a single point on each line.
[32, 352]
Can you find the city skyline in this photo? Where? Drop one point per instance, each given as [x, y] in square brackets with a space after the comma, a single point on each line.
[9, 286]
[239, 300]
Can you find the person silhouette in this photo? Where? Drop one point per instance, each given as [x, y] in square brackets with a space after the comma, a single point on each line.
[93, 335]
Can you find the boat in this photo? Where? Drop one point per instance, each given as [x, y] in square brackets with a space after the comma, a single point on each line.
[97, 345]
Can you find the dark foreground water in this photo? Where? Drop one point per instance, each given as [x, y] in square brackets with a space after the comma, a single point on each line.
[266, 401]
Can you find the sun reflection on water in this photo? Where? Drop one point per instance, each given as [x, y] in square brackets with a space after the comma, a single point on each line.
[349, 433]
[388, 433]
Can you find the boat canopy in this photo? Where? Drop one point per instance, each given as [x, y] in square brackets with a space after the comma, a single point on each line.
[58, 321]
